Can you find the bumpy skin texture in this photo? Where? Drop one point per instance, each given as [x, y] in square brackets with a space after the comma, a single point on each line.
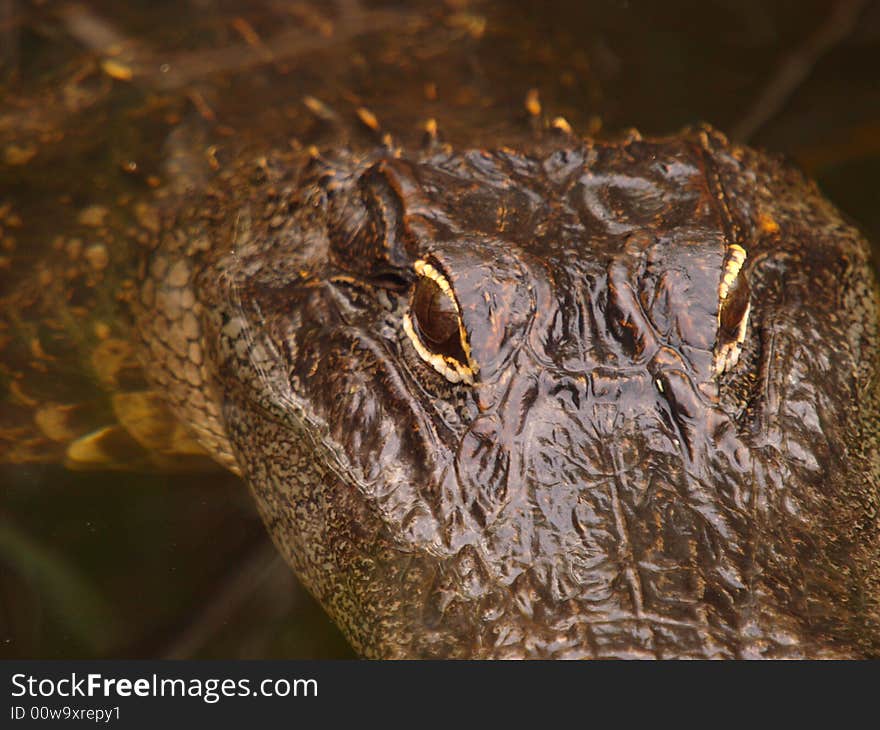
[599, 490]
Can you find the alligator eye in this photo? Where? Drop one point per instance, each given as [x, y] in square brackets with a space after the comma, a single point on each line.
[434, 326]
[436, 319]
[733, 310]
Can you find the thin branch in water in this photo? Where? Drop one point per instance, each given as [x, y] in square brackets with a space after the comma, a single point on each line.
[794, 69]
[251, 570]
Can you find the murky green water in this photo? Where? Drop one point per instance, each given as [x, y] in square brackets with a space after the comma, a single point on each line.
[143, 563]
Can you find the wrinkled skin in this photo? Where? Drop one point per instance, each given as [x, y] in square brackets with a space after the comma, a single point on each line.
[604, 487]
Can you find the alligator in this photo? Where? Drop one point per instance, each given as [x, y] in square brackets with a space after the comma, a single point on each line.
[555, 399]
[545, 397]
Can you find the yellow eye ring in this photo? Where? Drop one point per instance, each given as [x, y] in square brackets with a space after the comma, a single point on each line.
[449, 367]
[728, 348]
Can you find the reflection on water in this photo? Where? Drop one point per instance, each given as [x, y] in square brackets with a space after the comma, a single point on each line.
[137, 561]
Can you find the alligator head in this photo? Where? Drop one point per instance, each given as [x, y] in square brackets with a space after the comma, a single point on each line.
[588, 400]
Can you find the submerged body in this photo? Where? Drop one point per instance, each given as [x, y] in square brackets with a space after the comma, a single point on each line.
[560, 399]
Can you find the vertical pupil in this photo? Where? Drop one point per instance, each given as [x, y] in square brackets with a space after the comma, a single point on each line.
[436, 319]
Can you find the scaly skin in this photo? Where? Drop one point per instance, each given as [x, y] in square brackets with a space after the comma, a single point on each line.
[611, 484]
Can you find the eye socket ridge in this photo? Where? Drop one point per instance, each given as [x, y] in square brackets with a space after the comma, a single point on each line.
[435, 327]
